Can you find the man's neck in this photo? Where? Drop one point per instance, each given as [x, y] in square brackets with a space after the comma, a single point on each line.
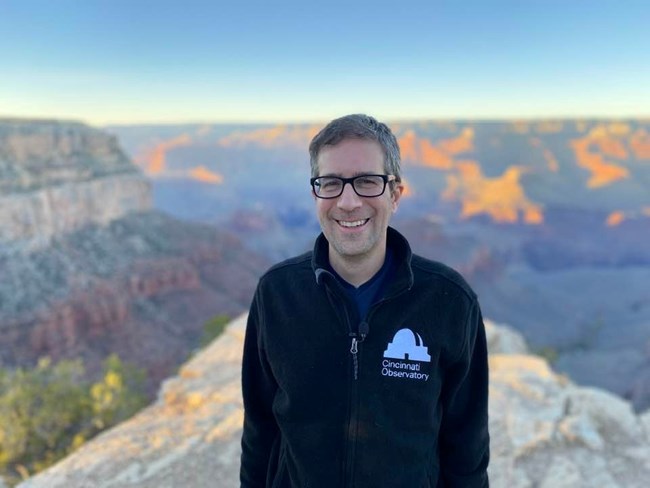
[356, 270]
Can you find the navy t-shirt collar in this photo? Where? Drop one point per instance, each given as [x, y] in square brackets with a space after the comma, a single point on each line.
[372, 290]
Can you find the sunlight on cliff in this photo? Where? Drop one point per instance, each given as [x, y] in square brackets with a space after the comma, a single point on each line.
[615, 141]
[299, 136]
[408, 189]
[602, 172]
[439, 155]
[551, 162]
[615, 218]
[514, 366]
[201, 173]
[415, 149]
[501, 198]
[616, 128]
[226, 427]
[640, 144]
[152, 160]
[463, 143]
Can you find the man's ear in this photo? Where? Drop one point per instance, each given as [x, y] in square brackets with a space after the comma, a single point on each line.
[396, 194]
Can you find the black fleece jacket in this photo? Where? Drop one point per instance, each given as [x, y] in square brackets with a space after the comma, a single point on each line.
[396, 400]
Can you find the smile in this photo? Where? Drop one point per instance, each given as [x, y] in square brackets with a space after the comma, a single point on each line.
[353, 223]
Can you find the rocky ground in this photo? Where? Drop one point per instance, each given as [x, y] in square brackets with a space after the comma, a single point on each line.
[546, 432]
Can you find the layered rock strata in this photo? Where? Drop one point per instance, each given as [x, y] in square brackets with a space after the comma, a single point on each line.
[87, 268]
[546, 432]
[56, 177]
[142, 286]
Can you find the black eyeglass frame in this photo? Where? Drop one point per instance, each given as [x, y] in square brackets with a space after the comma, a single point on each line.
[385, 178]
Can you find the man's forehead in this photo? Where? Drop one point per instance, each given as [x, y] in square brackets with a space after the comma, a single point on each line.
[348, 174]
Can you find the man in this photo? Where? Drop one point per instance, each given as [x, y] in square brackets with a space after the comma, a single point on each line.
[364, 365]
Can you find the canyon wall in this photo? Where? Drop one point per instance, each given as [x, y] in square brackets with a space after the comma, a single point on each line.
[56, 177]
[88, 268]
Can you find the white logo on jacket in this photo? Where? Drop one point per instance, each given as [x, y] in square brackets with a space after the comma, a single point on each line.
[406, 346]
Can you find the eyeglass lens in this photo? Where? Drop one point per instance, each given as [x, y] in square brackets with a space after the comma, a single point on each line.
[364, 185]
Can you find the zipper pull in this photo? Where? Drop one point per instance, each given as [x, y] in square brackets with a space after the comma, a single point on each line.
[355, 361]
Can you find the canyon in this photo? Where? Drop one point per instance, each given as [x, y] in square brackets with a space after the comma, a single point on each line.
[547, 219]
[88, 267]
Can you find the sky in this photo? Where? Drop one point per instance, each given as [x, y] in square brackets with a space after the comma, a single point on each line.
[124, 62]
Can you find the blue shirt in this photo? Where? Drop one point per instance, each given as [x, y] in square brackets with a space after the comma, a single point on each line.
[372, 290]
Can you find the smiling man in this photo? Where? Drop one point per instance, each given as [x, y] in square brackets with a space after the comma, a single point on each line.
[364, 365]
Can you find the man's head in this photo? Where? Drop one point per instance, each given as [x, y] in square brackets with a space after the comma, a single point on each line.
[354, 216]
[358, 126]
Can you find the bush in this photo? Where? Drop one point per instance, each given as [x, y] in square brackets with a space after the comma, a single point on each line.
[213, 328]
[50, 410]
[549, 353]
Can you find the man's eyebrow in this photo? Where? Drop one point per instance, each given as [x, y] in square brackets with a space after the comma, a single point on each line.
[358, 173]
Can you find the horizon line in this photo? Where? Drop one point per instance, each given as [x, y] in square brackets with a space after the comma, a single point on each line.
[309, 121]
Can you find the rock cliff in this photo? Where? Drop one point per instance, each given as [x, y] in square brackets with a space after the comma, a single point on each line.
[87, 267]
[56, 177]
[546, 432]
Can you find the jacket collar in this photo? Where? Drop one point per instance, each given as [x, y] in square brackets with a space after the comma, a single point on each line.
[403, 278]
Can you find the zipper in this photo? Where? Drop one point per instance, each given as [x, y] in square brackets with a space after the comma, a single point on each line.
[354, 347]
[336, 299]
[357, 337]
[355, 361]
[353, 423]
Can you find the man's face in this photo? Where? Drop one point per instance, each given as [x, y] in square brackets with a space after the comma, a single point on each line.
[355, 226]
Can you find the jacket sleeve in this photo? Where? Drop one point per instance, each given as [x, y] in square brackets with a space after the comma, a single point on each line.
[258, 390]
[464, 439]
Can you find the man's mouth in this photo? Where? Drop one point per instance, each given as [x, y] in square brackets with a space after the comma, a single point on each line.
[352, 223]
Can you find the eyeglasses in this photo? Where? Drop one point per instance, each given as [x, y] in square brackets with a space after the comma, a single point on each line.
[363, 185]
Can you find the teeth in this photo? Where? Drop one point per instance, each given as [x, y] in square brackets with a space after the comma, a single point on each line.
[355, 223]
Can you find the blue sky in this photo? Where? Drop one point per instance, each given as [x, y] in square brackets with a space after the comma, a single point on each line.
[158, 61]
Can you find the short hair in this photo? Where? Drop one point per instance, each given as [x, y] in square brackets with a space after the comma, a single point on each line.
[358, 126]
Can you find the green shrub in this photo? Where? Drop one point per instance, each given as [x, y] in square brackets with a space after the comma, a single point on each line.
[213, 328]
[549, 353]
[50, 410]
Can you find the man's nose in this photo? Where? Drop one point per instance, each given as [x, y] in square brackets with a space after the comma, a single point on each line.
[348, 200]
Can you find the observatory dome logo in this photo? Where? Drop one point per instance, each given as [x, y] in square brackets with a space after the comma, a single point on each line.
[403, 356]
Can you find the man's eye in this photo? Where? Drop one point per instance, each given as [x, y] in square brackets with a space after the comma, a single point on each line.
[367, 182]
[329, 184]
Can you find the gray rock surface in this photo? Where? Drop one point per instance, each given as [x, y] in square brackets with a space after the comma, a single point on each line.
[56, 177]
[503, 339]
[546, 432]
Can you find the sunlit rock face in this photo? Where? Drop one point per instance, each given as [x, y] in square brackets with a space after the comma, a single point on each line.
[545, 431]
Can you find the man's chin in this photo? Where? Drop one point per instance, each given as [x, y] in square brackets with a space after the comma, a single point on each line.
[349, 249]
